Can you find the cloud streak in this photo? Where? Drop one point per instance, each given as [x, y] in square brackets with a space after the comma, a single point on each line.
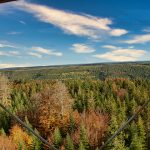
[3, 45]
[138, 39]
[22, 22]
[41, 50]
[109, 47]
[121, 54]
[82, 48]
[72, 23]
[9, 53]
[14, 33]
[35, 54]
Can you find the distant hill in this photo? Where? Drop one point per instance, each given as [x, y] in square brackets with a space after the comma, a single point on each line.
[98, 70]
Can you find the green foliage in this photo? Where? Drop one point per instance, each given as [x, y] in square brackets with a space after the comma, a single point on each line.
[57, 137]
[138, 135]
[37, 143]
[2, 132]
[81, 146]
[121, 89]
[84, 137]
[69, 143]
[72, 123]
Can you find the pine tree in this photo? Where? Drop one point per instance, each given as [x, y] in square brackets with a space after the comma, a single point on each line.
[142, 133]
[37, 143]
[84, 137]
[72, 123]
[81, 146]
[135, 145]
[57, 137]
[118, 143]
[69, 143]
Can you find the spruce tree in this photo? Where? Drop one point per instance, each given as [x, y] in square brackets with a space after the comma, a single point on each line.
[57, 138]
[81, 146]
[37, 142]
[69, 143]
[142, 133]
[84, 137]
[72, 123]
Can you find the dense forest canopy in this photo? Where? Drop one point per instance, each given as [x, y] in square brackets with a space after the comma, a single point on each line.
[76, 107]
[99, 71]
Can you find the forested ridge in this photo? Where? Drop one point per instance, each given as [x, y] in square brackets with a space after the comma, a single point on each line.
[76, 107]
[100, 71]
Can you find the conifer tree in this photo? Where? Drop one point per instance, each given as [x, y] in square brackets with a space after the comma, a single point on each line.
[37, 142]
[81, 146]
[142, 133]
[118, 143]
[72, 123]
[135, 143]
[57, 137]
[84, 137]
[69, 143]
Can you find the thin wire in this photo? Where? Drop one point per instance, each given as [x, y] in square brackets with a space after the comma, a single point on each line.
[29, 129]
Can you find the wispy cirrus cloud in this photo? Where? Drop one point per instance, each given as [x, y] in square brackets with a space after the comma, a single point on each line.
[34, 54]
[41, 50]
[82, 48]
[109, 47]
[138, 39]
[72, 23]
[22, 22]
[13, 33]
[121, 54]
[9, 53]
[5, 44]
[14, 52]
[146, 29]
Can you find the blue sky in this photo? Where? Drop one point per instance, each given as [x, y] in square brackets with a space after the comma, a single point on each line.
[52, 32]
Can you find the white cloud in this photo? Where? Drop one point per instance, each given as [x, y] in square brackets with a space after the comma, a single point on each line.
[109, 46]
[146, 29]
[139, 39]
[82, 48]
[9, 53]
[4, 53]
[14, 52]
[2, 45]
[2, 65]
[121, 55]
[5, 8]
[131, 47]
[14, 33]
[22, 22]
[118, 32]
[35, 54]
[72, 23]
[46, 51]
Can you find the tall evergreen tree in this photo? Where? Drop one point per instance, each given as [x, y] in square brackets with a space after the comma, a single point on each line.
[84, 137]
[81, 146]
[72, 123]
[69, 143]
[57, 138]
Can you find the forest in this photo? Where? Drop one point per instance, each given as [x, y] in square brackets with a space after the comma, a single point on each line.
[76, 107]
